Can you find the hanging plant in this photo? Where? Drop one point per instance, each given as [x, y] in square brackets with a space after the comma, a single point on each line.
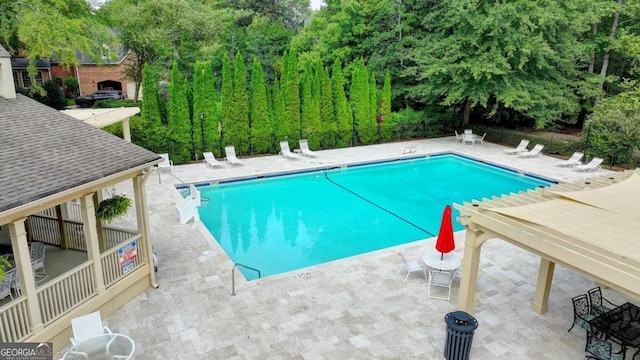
[113, 208]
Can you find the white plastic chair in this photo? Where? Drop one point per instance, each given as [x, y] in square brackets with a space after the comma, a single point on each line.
[304, 148]
[535, 152]
[572, 161]
[37, 251]
[286, 152]
[211, 160]
[522, 147]
[468, 138]
[5, 284]
[86, 327]
[166, 163]
[439, 278]
[410, 266]
[593, 165]
[458, 136]
[480, 139]
[231, 158]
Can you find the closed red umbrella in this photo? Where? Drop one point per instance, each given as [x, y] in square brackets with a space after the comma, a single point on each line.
[445, 242]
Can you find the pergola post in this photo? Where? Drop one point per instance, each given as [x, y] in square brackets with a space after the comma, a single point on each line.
[469, 277]
[543, 287]
[22, 256]
[126, 131]
[142, 218]
[91, 238]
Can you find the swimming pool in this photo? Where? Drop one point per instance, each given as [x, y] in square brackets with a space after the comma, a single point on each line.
[284, 223]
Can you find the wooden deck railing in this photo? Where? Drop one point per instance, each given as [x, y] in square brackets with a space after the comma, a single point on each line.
[15, 325]
[66, 292]
[112, 270]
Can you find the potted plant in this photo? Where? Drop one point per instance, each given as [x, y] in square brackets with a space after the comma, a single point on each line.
[113, 208]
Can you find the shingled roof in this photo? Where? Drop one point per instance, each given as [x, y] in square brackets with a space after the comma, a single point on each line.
[43, 152]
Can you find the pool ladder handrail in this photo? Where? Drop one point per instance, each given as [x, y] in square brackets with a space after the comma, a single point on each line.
[233, 276]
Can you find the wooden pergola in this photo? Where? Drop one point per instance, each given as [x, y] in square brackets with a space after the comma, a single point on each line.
[591, 227]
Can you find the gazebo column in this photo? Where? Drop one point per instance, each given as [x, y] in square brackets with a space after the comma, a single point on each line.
[22, 257]
[142, 218]
[470, 265]
[61, 214]
[126, 130]
[102, 236]
[545, 276]
[91, 238]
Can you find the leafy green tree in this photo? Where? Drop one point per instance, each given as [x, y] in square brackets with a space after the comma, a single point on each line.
[238, 130]
[179, 126]
[205, 118]
[152, 136]
[615, 132]
[227, 99]
[343, 113]
[327, 113]
[266, 40]
[260, 124]
[72, 84]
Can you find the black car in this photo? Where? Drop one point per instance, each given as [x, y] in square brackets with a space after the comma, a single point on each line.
[88, 100]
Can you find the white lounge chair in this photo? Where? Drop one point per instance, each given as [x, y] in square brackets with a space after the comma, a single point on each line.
[535, 152]
[231, 158]
[522, 147]
[410, 266]
[572, 161]
[210, 160]
[286, 152]
[87, 326]
[593, 165]
[304, 148]
[166, 163]
[439, 278]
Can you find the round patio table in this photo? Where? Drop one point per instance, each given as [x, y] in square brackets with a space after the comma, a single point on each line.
[107, 346]
[448, 262]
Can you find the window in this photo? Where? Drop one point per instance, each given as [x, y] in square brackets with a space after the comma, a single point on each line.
[16, 82]
[26, 80]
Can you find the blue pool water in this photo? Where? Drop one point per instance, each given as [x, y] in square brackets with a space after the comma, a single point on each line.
[286, 223]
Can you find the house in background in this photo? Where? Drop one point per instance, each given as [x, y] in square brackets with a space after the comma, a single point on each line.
[54, 172]
[108, 74]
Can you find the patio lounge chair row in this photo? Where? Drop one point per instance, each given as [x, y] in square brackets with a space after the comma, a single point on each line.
[574, 161]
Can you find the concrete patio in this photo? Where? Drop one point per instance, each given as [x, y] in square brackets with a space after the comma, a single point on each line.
[355, 308]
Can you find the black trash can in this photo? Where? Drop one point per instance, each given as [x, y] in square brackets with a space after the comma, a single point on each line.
[460, 328]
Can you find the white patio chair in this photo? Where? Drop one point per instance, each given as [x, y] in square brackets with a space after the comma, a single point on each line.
[572, 161]
[304, 148]
[439, 278]
[286, 152]
[37, 251]
[593, 165]
[211, 160]
[87, 326]
[5, 284]
[468, 131]
[468, 138]
[458, 136]
[231, 158]
[410, 266]
[166, 163]
[535, 152]
[480, 139]
[522, 147]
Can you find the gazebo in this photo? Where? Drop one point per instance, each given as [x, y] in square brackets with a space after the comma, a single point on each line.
[53, 169]
[588, 226]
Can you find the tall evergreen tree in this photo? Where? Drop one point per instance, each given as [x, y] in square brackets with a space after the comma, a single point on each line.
[205, 121]
[259, 116]
[343, 113]
[226, 99]
[277, 104]
[327, 114]
[386, 129]
[359, 99]
[316, 123]
[291, 125]
[306, 126]
[373, 102]
[153, 130]
[179, 120]
[239, 128]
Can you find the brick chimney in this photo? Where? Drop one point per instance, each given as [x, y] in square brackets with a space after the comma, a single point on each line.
[7, 89]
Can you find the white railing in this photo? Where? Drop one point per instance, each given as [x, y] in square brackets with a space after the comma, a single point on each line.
[116, 236]
[75, 235]
[44, 229]
[112, 269]
[15, 324]
[66, 292]
[74, 210]
[188, 208]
